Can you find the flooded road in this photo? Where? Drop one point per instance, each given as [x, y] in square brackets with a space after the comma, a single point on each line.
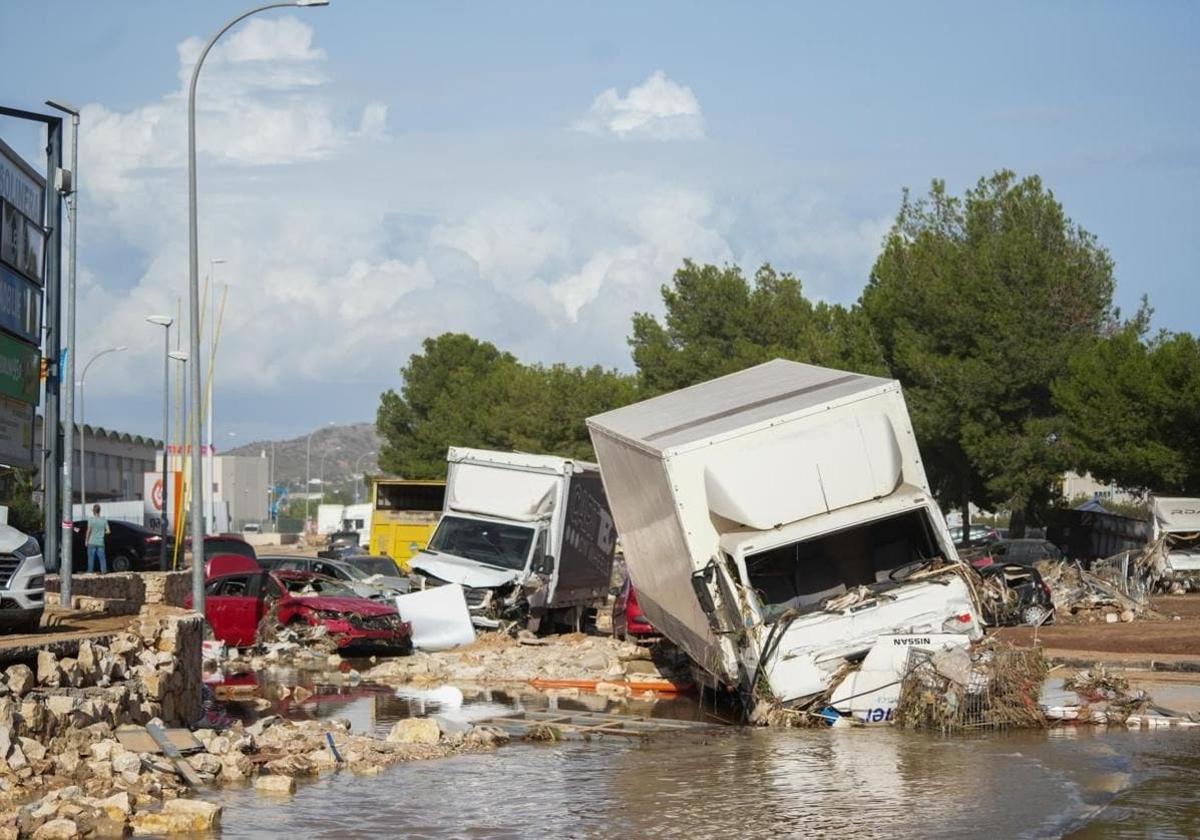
[736, 782]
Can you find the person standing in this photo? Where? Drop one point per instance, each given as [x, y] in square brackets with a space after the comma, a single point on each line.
[97, 530]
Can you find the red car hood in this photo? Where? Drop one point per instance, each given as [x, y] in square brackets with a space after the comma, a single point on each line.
[346, 605]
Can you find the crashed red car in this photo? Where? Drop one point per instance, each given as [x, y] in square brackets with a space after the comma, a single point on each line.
[628, 620]
[235, 604]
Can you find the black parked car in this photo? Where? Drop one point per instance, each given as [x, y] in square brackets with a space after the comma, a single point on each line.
[127, 547]
[1026, 552]
[1029, 600]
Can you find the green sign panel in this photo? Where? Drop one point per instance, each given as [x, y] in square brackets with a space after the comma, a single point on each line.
[20, 365]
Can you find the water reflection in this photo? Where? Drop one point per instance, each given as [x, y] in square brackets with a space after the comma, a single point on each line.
[731, 781]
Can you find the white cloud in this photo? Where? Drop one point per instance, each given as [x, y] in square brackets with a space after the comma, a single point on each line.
[346, 245]
[657, 109]
[373, 123]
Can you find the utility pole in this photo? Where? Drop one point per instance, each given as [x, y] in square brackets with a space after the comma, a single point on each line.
[71, 191]
[52, 458]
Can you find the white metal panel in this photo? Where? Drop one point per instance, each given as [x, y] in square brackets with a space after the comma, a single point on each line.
[656, 551]
[792, 471]
[1172, 515]
[491, 490]
[737, 402]
[517, 460]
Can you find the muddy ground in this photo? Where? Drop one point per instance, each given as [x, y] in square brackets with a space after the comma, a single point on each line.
[1175, 634]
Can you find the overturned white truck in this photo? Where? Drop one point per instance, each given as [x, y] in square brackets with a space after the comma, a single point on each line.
[529, 537]
[777, 523]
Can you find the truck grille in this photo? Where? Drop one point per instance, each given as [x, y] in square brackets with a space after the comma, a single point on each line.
[9, 563]
[475, 597]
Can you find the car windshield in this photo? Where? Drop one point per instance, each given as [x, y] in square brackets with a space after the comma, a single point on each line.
[373, 565]
[352, 572]
[322, 587]
[213, 547]
[490, 543]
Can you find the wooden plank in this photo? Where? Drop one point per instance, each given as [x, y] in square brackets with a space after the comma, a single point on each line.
[137, 739]
[172, 752]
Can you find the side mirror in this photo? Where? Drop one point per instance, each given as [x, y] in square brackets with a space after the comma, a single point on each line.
[718, 621]
[544, 565]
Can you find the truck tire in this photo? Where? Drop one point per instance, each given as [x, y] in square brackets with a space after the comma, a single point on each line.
[30, 625]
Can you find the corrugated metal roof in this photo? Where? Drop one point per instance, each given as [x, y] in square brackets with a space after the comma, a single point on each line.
[758, 394]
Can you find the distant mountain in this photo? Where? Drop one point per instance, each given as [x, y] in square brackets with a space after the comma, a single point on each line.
[343, 448]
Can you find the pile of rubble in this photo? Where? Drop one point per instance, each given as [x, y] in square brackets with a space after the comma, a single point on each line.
[1086, 597]
[615, 666]
[148, 797]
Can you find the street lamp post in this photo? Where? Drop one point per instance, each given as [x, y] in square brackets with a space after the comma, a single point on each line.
[194, 302]
[82, 425]
[165, 322]
[323, 456]
[308, 470]
[180, 356]
[357, 475]
[208, 423]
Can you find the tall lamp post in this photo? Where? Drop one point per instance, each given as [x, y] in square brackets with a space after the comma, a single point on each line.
[194, 302]
[308, 469]
[82, 425]
[71, 191]
[165, 322]
[208, 423]
[323, 456]
[180, 356]
[357, 475]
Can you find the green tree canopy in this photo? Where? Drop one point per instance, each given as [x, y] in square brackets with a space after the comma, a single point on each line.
[1131, 410]
[978, 303]
[464, 392]
[717, 322]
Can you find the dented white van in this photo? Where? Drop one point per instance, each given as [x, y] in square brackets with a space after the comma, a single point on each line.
[777, 522]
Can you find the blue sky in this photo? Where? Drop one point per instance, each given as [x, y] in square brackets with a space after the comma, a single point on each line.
[376, 172]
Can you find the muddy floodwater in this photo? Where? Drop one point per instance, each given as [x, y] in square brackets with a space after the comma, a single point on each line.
[734, 782]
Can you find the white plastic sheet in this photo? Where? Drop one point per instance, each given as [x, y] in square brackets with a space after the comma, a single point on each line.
[439, 617]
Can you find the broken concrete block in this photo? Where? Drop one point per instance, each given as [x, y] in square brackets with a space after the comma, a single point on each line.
[415, 731]
[34, 750]
[275, 784]
[178, 816]
[20, 679]
[48, 672]
[60, 829]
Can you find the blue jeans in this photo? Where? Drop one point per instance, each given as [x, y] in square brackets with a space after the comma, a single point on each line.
[95, 551]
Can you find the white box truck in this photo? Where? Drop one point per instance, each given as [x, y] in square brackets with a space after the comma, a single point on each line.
[530, 537]
[777, 522]
[1177, 527]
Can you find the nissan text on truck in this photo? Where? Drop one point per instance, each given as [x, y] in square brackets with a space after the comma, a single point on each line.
[529, 537]
[777, 523]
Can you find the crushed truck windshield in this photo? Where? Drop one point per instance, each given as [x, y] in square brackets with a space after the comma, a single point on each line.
[491, 543]
[805, 574]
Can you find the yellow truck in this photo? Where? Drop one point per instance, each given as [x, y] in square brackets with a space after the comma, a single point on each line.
[406, 512]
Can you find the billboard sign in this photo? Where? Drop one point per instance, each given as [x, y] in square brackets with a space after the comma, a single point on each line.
[20, 184]
[16, 433]
[20, 305]
[20, 365]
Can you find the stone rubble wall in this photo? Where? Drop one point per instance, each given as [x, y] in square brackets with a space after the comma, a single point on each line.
[133, 588]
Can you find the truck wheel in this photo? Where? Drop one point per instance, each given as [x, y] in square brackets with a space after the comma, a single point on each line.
[30, 625]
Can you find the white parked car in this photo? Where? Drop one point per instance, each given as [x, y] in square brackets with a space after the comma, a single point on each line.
[22, 581]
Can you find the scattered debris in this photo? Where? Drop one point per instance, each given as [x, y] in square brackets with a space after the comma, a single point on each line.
[995, 686]
[1086, 596]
